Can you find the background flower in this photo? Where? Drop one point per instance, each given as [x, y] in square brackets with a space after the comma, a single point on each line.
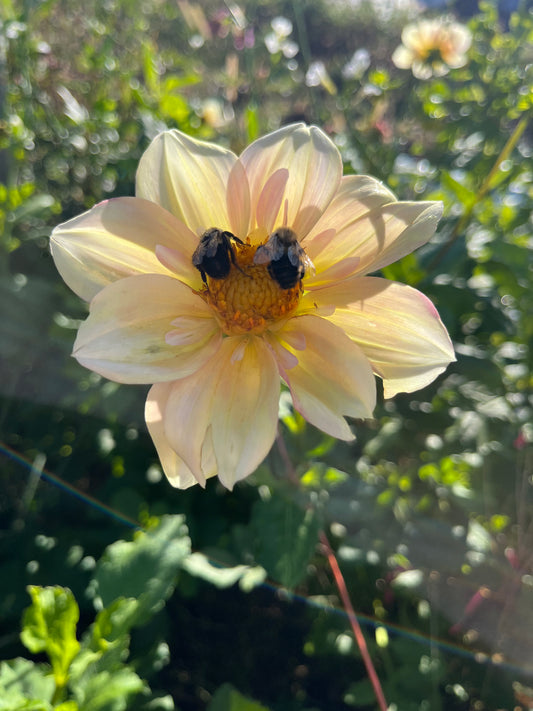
[432, 47]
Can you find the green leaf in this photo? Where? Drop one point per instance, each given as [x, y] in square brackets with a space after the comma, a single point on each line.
[108, 691]
[34, 206]
[115, 620]
[284, 536]
[229, 699]
[49, 625]
[144, 569]
[463, 194]
[198, 565]
[24, 684]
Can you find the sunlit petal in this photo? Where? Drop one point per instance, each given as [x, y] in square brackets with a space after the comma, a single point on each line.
[125, 335]
[115, 239]
[369, 224]
[269, 203]
[238, 201]
[333, 378]
[314, 166]
[187, 177]
[396, 326]
[245, 413]
[175, 469]
[233, 402]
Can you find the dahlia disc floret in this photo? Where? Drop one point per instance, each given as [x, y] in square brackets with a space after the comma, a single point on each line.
[216, 338]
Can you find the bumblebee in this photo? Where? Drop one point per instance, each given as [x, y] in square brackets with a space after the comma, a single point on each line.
[214, 255]
[287, 260]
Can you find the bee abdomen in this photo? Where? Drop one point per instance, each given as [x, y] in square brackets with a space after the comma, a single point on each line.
[285, 273]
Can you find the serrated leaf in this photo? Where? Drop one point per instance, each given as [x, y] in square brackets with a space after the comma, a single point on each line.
[227, 698]
[108, 692]
[115, 620]
[23, 682]
[144, 568]
[49, 625]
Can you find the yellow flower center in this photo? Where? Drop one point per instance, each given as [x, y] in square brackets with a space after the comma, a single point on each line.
[248, 300]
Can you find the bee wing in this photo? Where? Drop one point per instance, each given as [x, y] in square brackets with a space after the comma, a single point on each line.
[268, 252]
[309, 266]
[297, 256]
[262, 255]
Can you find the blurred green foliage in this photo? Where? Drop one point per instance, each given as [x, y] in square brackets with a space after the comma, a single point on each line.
[429, 510]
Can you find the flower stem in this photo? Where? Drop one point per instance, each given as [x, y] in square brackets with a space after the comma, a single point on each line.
[483, 190]
[358, 633]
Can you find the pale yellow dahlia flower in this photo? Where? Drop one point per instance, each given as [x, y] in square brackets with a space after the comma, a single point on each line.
[216, 351]
[432, 47]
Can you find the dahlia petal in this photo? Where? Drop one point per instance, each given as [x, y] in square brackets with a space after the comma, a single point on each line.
[226, 412]
[238, 201]
[175, 469]
[187, 416]
[370, 224]
[315, 170]
[406, 226]
[423, 71]
[125, 336]
[188, 178]
[179, 264]
[333, 378]
[338, 271]
[245, 412]
[336, 233]
[269, 203]
[115, 239]
[455, 59]
[396, 326]
[402, 57]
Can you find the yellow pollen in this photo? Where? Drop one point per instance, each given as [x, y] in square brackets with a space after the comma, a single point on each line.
[248, 300]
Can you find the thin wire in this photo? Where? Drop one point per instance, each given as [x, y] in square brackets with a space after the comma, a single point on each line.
[364, 620]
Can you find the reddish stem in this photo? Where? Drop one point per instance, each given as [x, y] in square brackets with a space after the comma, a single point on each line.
[358, 633]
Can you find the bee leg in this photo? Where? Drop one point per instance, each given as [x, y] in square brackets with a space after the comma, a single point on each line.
[232, 257]
[204, 278]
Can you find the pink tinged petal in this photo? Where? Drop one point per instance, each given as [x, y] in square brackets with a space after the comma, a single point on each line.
[115, 239]
[238, 201]
[315, 170]
[357, 197]
[333, 378]
[175, 469]
[397, 327]
[269, 203]
[228, 408]
[179, 263]
[343, 269]
[188, 178]
[126, 336]
[376, 232]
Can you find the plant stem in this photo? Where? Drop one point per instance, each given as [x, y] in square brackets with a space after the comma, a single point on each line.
[358, 633]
